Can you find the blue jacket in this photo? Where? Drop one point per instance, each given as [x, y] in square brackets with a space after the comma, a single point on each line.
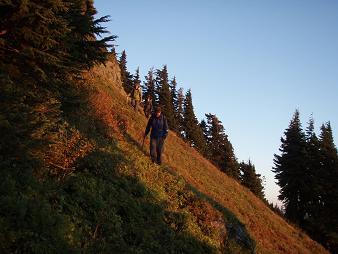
[158, 125]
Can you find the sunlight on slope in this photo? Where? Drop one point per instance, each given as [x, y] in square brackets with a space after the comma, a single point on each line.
[271, 233]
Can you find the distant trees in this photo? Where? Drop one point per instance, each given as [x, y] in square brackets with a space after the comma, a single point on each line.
[290, 170]
[207, 136]
[136, 76]
[174, 103]
[250, 179]
[149, 87]
[165, 96]
[307, 172]
[219, 148]
[126, 77]
[192, 131]
[179, 111]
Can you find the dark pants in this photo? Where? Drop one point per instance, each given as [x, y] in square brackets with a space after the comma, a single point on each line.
[135, 103]
[156, 148]
[147, 111]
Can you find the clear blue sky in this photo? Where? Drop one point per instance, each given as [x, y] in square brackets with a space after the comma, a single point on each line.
[252, 63]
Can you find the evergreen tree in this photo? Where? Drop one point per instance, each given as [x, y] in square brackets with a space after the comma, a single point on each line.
[204, 127]
[86, 49]
[174, 102]
[126, 77]
[250, 179]
[290, 168]
[312, 174]
[149, 88]
[136, 77]
[219, 147]
[215, 137]
[164, 96]
[41, 44]
[329, 188]
[54, 40]
[113, 52]
[192, 130]
[232, 167]
[180, 111]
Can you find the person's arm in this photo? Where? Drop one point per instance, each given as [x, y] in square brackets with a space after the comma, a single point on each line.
[148, 126]
[165, 127]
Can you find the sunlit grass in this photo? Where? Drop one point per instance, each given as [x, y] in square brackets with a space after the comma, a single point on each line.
[184, 166]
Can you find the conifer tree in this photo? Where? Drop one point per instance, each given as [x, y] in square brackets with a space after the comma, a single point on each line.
[290, 167]
[32, 44]
[312, 174]
[136, 77]
[329, 187]
[149, 88]
[220, 148]
[136, 80]
[180, 111]
[86, 49]
[192, 130]
[126, 77]
[205, 130]
[41, 44]
[250, 179]
[174, 102]
[164, 96]
[216, 140]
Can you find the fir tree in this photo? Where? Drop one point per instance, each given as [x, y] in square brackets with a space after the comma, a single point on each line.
[205, 130]
[329, 187]
[219, 147]
[180, 111]
[136, 76]
[86, 49]
[215, 137]
[149, 88]
[250, 179]
[312, 173]
[126, 77]
[192, 130]
[29, 47]
[174, 102]
[290, 167]
[41, 44]
[164, 96]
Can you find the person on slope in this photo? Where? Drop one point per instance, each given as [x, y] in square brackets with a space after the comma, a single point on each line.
[159, 131]
[148, 106]
[136, 95]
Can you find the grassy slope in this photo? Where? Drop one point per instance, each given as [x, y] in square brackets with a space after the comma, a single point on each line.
[271, 233]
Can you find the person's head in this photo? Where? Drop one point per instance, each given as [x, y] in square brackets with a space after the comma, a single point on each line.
[137, 84]
[158, 111]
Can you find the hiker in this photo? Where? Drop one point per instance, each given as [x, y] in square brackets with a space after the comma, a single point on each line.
[148, 106]
[136, 95]
[159, 131]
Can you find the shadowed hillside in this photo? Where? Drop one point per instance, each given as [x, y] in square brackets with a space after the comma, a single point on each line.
[75, 179]
[75, 176]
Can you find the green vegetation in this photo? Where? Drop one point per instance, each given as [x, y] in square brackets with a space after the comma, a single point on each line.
[74, 177]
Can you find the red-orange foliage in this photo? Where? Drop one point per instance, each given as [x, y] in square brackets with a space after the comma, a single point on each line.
[101, 109]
